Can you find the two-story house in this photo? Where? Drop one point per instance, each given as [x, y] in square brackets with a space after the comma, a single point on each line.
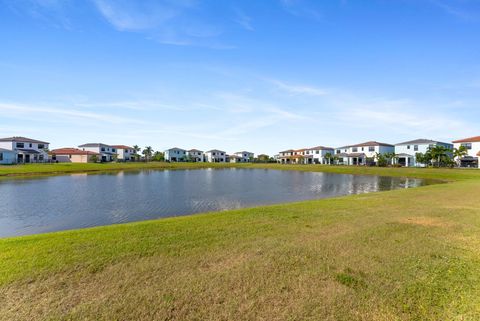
[107, 153]
[472, 144]
[26, 150]
[243, 157]
[317, 155]
[195, 155]
[125, 153]
[215, 156]
[406, 152]
[362, 154]
[175, 154]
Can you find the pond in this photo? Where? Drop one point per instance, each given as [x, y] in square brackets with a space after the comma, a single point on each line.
[37, 205]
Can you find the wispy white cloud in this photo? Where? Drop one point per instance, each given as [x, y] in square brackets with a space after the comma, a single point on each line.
[299, 89]
[243, 20]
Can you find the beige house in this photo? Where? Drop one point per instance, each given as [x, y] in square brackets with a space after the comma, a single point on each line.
[73, 155]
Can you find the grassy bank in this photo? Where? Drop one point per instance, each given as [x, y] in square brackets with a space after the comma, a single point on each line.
[400, 255]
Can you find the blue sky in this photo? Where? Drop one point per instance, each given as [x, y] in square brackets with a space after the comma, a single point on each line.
[234, 75]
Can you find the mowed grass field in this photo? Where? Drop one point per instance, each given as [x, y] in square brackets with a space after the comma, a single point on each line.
[409, 254]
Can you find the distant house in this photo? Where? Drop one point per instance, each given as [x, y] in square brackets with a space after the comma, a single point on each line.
[215, 156]
[107, 153]
[73, 155]
[7, 156]
[175, 155]
[472, 144]
[314, 155]
[125, 153]
[407, 151]
[243, 157]
[317, 155]
[264, 158]
[362, 154]
[26, 150]
[195, 155]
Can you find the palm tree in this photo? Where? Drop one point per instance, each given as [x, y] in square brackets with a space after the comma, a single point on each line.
[439, 152]
[148, 152]
[136, 149]
[459, 153]
[328, 157]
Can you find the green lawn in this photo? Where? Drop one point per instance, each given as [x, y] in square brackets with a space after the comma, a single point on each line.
[400, 255]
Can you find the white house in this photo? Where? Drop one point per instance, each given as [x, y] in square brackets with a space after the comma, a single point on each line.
[242, 157]
[7, 156]
[472, 144]
[125, 153]
[73, 155]
[215, 156]
[107, 152]
[407, 151]
[175, 154]
[26, 150]
[195, 155]
[362, 154]
[317, 155]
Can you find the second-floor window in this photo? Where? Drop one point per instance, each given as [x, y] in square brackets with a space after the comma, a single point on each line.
[467, 145]
[415, 148]
[371, 148]
[354, 149]
[20, 145]
[103, 149]
[41, 146]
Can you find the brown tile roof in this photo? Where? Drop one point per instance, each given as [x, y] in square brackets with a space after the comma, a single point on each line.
[122, 147]
[320, 148]
[21, 139]
[475, 139]
[71, 151]
[371, 143]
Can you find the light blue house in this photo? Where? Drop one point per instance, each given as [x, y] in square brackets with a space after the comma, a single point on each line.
[7, 156]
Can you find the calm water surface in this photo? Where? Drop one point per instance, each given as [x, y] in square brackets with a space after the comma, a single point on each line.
[30, 206]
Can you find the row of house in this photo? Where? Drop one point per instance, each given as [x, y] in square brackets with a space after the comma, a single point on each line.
[211, 156]
[366, 153]
[19, 150]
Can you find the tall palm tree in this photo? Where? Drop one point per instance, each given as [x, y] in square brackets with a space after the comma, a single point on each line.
[439, 152]
[459, 153]
[148, 152]
[136, 149]
[328, 157]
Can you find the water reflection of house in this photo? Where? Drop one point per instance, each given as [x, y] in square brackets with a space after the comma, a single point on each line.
[24, 150]
[472, 144]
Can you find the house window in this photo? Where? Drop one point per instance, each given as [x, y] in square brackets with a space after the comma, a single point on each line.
[338, 151]
[408, 146]
[30, 145]
[20, 145]
[41, 146]
[317, 152]
[354, 149]
[467, 145]
[103, 149]
[363, 149]
[415, 148]
[40, 157]
[113, 150]
[371, 148]
[1, 156]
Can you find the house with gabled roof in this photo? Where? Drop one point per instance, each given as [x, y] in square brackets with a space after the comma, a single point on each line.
[73, 155]
[107, 153]
[175, 154]
[472, 144]
[242, 157]
[363, 153]
[215, 156]
[25, 150]
[195, 155]
[406, 152]
[125, 153]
